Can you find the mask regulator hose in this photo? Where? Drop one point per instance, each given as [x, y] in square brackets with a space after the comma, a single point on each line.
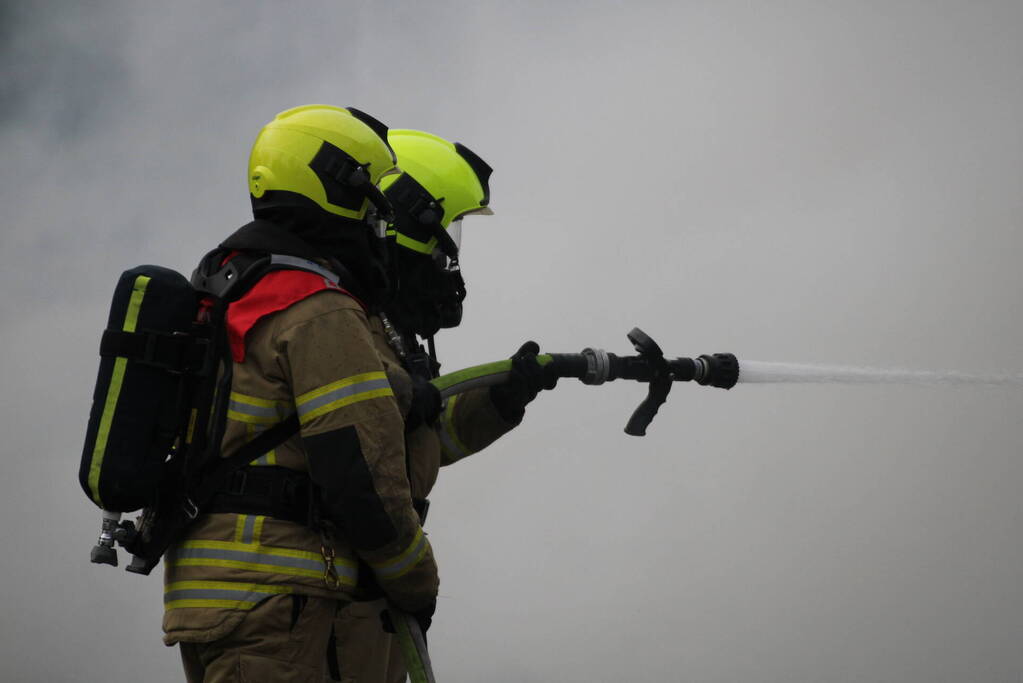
[596, 366]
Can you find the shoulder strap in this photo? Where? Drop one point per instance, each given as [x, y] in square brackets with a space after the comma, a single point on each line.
[218, 473]
[229, 276]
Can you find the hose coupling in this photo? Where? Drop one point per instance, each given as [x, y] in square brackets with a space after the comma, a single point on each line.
[598, 366]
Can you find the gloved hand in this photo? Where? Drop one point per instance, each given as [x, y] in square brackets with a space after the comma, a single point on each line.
[525, 381]
[423, 617]
[426, 404]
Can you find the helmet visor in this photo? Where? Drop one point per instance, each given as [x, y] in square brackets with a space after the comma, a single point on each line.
[455, 231]
[442, 259]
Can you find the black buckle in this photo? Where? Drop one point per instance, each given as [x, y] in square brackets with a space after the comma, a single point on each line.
[160, 354]
[347, 172]
[176, 352]
[236, 485]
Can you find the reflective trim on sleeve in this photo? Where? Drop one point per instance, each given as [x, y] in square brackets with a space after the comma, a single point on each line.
[409, 558]
[253, 410]
[449, 441]
[342, 393]
[258, 558]
[230, 594]
[131, 318]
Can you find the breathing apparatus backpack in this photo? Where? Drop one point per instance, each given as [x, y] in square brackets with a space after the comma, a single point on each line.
[160, 402]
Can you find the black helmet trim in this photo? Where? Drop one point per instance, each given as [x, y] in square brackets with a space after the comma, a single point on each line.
[378, 127]
[416, 200]
[424, 209]
[345, 180]
[480, 167]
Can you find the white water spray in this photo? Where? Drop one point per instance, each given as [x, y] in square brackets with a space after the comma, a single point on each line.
[767, 372]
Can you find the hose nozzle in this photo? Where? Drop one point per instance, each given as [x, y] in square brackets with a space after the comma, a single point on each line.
[719, 370]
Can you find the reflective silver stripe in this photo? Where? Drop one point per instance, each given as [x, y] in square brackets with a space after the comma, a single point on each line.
[412, 556]
[251, 558]
[446, 431]
[448, 443]
[249, 529]
[341, 393]
[303, 264]
[254, 411]
[216, 594]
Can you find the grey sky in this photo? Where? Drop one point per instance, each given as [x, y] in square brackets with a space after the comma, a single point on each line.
[833, 182]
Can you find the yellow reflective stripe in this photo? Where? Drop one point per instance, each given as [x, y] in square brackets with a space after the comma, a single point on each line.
[225, 604]
[254, 410]
[138, 292]
[253, 400]
[251, 419]
[229, 594]
[449, 441]
[403, 563]
[265, 549]
[268, 458]
[345, 392]
[333, 386]
[248, 528]
[416, 245]
[259, 558]
[191, 425]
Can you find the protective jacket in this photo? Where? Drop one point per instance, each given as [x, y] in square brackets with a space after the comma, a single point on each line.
[468, 424]
[318, 356]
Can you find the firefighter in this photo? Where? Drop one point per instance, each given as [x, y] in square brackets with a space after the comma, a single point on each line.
[440, 184]
[253, 587]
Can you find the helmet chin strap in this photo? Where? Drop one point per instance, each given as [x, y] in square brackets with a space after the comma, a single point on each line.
[433, 353]
[379, 200]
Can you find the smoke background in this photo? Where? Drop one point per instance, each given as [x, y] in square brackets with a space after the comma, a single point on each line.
[829, 182]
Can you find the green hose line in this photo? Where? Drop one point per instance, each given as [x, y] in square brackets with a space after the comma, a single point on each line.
[413, 646]
[485, 375]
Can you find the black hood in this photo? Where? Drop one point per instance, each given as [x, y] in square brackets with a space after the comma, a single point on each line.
[318, 235]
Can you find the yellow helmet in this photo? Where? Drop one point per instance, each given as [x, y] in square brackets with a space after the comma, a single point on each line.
[330, 156]
[439, 182]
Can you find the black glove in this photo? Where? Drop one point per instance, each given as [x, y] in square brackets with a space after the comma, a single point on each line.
[525, 381]
[423, 617]
[426, 404]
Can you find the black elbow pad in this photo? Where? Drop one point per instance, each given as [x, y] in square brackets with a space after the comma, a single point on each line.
[348, 496]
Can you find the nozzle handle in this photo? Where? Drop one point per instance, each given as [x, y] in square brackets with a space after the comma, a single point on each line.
[647, 410]
[660, 382]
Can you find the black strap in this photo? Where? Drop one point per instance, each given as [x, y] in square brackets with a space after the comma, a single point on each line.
[218, 474]
[272, 491]
[176, 353]
[333, 666]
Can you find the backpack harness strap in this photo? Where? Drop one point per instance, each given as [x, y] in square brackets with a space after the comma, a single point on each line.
[254, 285]
[218, 476]
[177, 353]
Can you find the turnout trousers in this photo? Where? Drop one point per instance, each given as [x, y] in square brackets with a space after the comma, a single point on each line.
[365, 652]
[284, 638]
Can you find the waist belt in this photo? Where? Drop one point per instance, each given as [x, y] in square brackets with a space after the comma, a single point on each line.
[277, 492]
